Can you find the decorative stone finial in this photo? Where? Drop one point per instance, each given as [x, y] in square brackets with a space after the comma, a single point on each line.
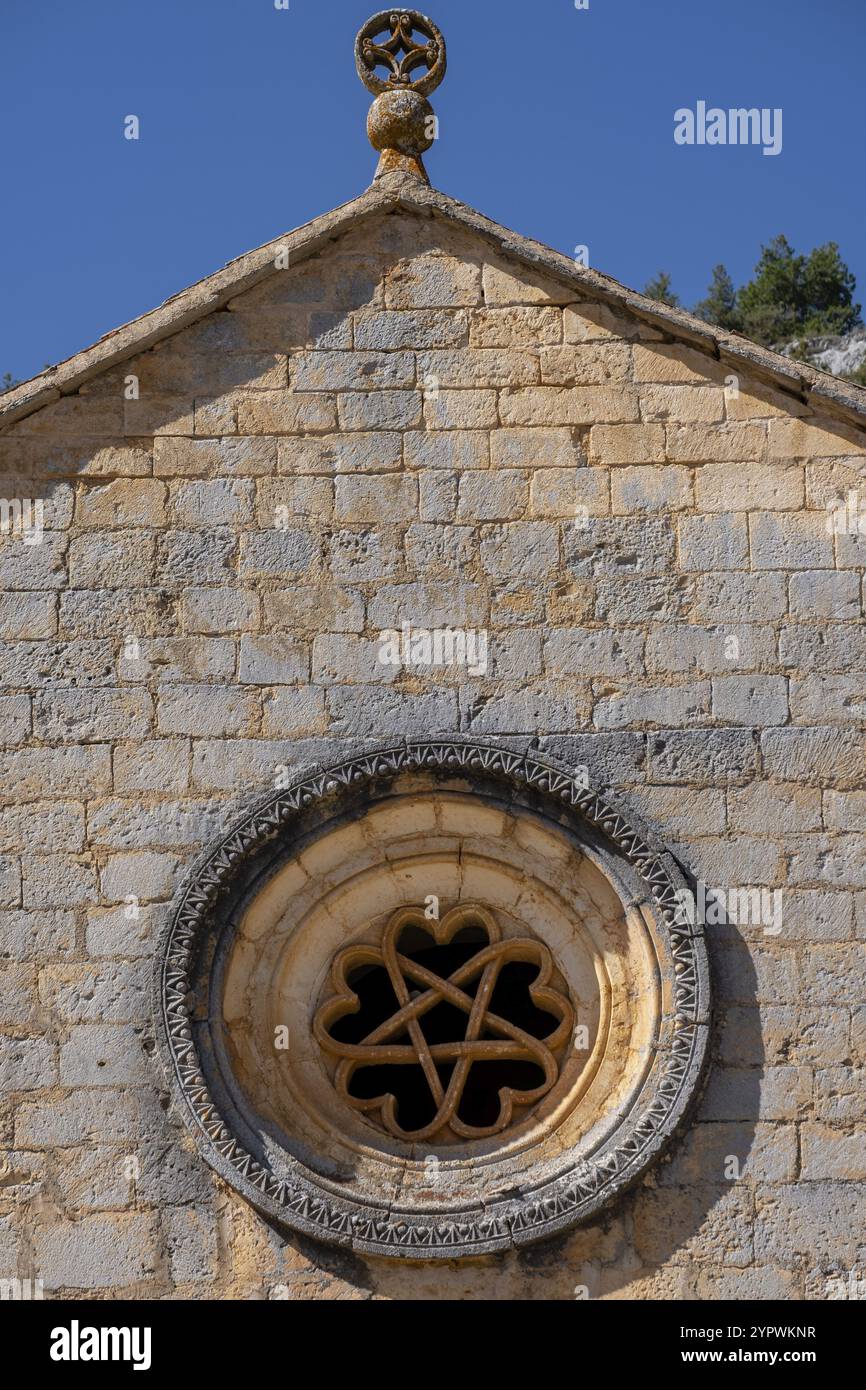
[401, 123]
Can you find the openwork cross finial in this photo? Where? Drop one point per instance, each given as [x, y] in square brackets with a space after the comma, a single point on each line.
[401, 124]
[400, 54]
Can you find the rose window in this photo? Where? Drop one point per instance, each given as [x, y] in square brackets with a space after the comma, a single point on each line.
[447, 1030]
[433, 1002]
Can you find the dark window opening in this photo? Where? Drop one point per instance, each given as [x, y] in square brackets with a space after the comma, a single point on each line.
[445, 1022]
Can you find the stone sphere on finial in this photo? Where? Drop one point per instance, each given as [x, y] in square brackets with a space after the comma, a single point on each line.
[401, 118]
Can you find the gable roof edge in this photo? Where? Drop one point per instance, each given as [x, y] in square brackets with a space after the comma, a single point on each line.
[806, 384]
[186, 307]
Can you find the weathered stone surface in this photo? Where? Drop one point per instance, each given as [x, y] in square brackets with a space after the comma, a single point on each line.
[124, 502]
[24, 615]
[221, 502]
[705, 757]
[385, 410]
[729, 487]
[146, 877]
[272, 660]
[568, 494]
[294, 712]
[783, 542]
[588, 322]
[611, 758]
[89, 716]
[413, 427]
[493, 497]
[455, 410]
[128, 932]
[99, 1054]
[341, 453]
[205, 710]
[279, 500]
[823, 647]
[554, 405]
[715, 650]
[98, 1252]
[508, 283]
[352, 371]
[776, 806]
[765, 1093]
[751, 700]
[714, 543]
[60, 772]
[804, 439]
[619, 444]
[682, 403]
[722, 444]
[195, 557]
[650, 490]
[535, 448]
[740, 597]
[620, 546]
[369, 499]
[626, 600]
[450, 449]
[829, 699]
[426, 328]
[654, 706]
[594, 365]
[812, 1221]
[433, 281]
[15, 719]
[825, 594]
[814, 755]
[762, 1152]
[27, 934]
[515, 327]
[192, 1244]
[314, 608]
[152, 766]
[278, 554]
[239, 457]
[674, 363]
[285, 412]
[572, 652]
[116, 613]
[214, 611]
[529, 549]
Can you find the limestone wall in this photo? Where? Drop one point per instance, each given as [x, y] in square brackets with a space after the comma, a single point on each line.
[410, 430]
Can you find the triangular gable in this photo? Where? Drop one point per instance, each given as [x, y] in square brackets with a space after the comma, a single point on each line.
[805, 384]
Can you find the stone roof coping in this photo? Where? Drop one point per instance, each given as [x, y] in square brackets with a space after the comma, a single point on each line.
[406, 190]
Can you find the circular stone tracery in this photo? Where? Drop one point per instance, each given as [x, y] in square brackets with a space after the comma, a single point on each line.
[321, 869]
[400, 54]
[406, 1053]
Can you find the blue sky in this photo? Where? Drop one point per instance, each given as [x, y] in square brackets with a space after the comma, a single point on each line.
[554, 121]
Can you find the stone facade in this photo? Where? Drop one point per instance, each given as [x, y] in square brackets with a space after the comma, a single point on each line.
[415, 425]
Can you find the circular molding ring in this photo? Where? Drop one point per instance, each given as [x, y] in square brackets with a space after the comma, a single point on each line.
[431, 55]
[581, 1186]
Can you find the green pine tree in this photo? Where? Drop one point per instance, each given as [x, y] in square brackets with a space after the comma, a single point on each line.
[771, 303]
[660, 290]
[8, 382]
[829, 288]
[793, 297]
[721, 305]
